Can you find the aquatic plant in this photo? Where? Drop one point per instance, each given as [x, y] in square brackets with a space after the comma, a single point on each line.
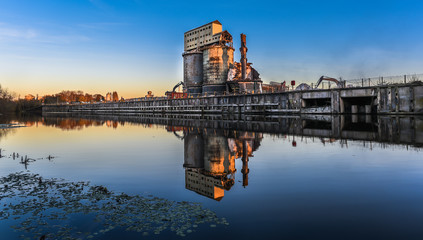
[43, 205]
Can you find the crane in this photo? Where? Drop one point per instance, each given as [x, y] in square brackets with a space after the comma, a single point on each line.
[173, 94]
[177, 85]
[339, 84]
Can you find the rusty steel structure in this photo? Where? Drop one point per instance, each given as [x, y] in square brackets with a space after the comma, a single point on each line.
[216, 62]
[243, 49]
[208, 54]
[175, 95]
[193, 72]
[339, 84]
[209, 66]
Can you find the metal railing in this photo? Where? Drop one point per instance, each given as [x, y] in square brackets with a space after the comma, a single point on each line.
[374, 81]
[382, 81]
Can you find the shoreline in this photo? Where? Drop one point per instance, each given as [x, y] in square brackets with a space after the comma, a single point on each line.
[10, 125]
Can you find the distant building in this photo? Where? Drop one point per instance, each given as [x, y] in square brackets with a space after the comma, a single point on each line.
[115, 97]
[149, 94]
[29, 97]
[108, 97]
[98, 97]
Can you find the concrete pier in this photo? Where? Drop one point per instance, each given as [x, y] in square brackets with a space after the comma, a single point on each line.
[388, 99]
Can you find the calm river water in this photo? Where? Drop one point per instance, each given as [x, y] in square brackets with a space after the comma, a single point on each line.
[155, 177]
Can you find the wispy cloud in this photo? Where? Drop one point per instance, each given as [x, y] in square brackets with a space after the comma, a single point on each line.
[20, 34]
[102, 25]
[13, 33]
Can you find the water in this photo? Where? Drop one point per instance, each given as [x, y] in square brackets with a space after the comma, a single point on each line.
[315, 177]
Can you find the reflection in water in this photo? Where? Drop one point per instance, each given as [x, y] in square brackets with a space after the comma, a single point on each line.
[214, 150]
[212, 145]
[24, 159]
[6, 131]
[65, 123]
[209, 159]
[384, 129]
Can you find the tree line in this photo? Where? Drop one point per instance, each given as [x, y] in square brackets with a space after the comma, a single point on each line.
[6, 101]
[30, 102]
[79, 97]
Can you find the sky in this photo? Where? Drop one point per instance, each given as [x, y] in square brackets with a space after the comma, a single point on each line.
[133, 46]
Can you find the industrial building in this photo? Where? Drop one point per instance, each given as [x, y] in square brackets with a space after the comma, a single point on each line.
[215, 84]
[202, 36]
[209, 67]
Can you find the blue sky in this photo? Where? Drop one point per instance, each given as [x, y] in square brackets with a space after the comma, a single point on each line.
[133, 46]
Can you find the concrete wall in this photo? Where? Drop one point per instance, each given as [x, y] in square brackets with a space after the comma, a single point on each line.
[418, 99]
[357, 92]
[407, 99]
[316, 94]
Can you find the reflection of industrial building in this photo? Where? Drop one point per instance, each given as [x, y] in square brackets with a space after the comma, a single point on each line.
[205, 185]
[209, 66]
[209, 159]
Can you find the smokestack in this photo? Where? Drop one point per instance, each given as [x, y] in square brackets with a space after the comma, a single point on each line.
[243, 50]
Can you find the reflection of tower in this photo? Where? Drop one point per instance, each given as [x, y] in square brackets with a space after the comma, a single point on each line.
[217, 158]
[209, 160]
[197, 181]
[195, 178]
[193, 150]
[245, 169]
[243, 146]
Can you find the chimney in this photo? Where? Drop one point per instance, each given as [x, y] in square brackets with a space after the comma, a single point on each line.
[243, 50]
